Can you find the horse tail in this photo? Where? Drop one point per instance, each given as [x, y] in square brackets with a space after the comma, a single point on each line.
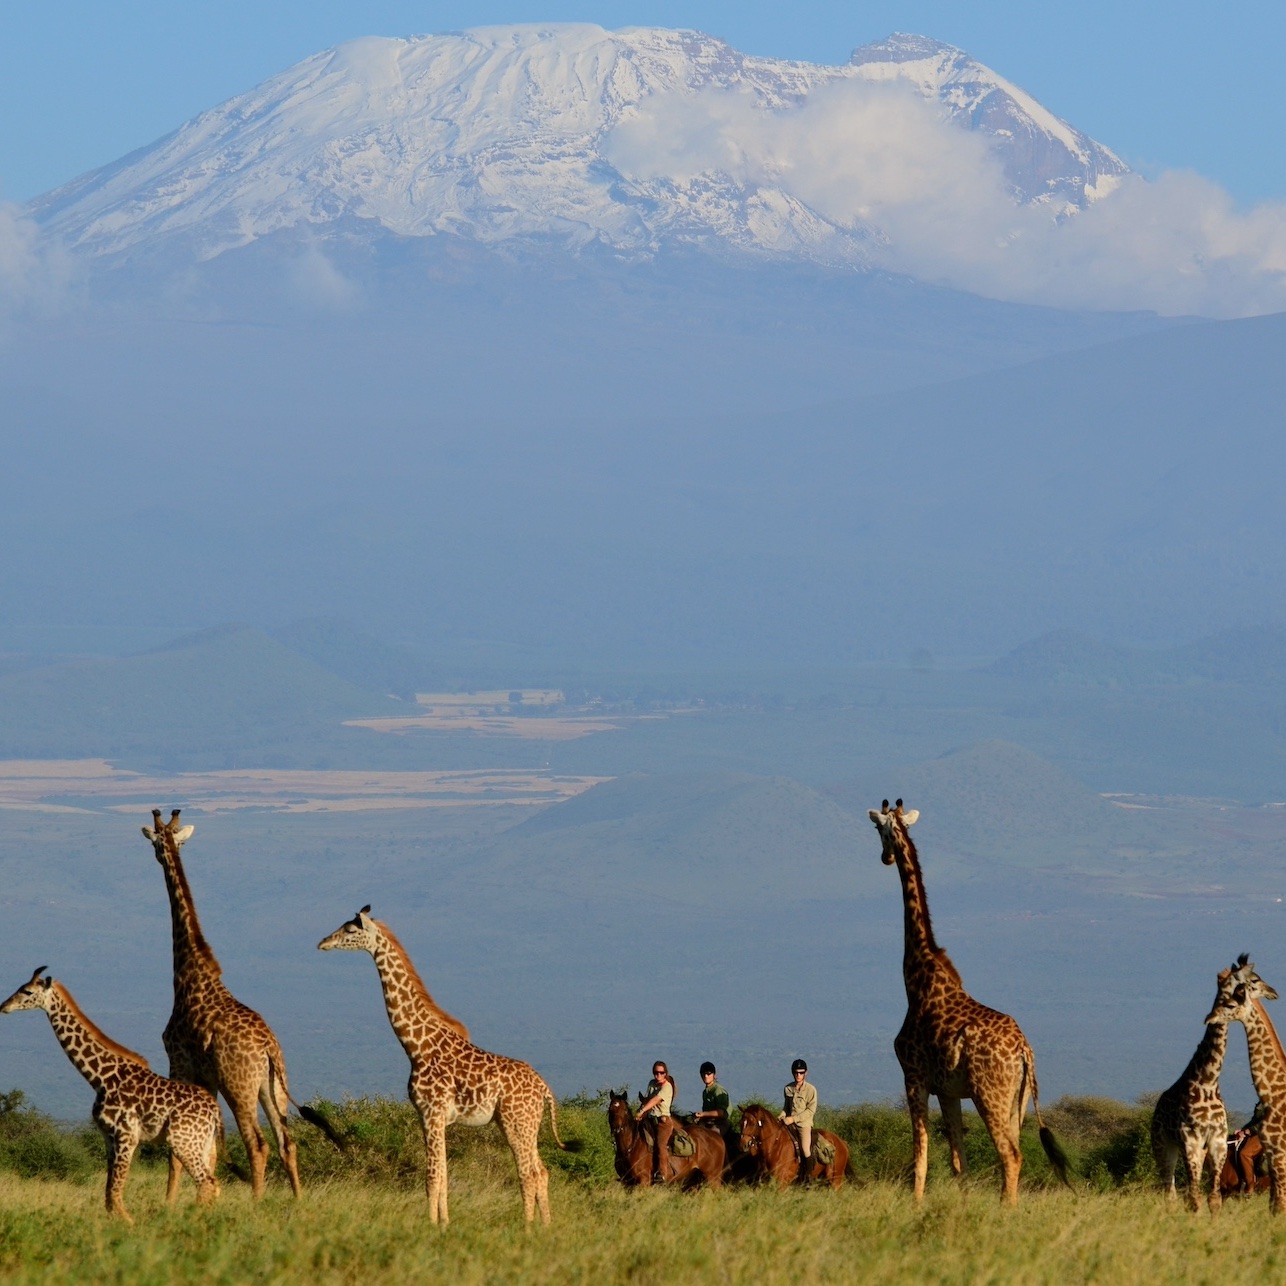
[1053, 1149]
[572, 1145]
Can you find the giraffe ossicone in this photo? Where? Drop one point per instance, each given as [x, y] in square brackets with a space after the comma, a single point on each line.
[452, 1080]
[132, 1104]
[950, 1046]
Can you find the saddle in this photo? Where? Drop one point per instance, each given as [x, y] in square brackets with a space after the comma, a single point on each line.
[823, 1148]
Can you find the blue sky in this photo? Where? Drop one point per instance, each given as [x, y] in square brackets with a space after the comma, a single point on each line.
[1190, 85]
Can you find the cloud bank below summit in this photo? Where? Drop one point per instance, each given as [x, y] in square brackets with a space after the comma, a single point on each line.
[936, 205]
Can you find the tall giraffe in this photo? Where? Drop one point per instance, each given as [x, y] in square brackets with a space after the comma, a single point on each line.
[132, 1104]
[453, 1080]
[950, 1045]
[1245, 1004]
[212, 1039]
[1190, 1118]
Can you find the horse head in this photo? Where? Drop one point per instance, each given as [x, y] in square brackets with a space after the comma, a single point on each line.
[755, 1120]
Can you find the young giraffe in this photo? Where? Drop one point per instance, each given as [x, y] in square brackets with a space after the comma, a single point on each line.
[950, 1045]
[1244, 1004]
[452, 1079]
[132, 1104]
[212, 1039]
[1190, 1119]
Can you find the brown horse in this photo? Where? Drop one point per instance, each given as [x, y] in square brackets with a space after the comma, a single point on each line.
[634, 1152]
[764, 1137]
[1239, 1178]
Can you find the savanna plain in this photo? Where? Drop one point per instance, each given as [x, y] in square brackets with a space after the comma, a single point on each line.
[363, 1213]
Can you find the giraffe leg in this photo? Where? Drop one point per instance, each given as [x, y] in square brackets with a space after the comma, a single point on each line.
[172, 1182]
[435, 1164]
[276, 1114]
[246, 1114]
[196, 1145]
[1218, 1155]
[533, 1178]
[917, 1102]
[121, 1144]
[1194, 1158]
[1165, 1152]
[1003, 1124]
[954, 1124]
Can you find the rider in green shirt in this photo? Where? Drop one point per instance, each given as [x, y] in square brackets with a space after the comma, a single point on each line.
[714, 1100]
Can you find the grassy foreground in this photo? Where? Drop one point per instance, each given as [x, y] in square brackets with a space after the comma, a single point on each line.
[363, 1216]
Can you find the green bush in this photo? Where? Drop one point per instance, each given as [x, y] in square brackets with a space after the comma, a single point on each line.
[36, 1147]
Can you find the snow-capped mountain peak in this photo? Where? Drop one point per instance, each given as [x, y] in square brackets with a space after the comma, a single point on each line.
[632, 139]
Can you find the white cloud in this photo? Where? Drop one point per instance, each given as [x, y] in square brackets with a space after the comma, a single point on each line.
[34, 272]
[314, 280]
[879, 157]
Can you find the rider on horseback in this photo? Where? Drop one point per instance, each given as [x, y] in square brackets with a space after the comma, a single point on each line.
[799, 1110]
[657, 1099]
[714, 1100]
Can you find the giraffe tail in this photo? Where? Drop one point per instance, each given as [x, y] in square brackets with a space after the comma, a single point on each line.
[1053, 1149]
[572, 1145]
[277, 1076]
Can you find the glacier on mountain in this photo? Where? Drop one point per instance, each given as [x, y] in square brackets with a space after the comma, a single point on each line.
[542, 132]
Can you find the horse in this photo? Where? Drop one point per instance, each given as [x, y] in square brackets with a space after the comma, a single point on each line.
[634, 1151]
[765, 1138]
[1238, 1178]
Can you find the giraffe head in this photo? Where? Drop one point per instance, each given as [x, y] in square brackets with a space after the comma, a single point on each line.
[892, 825]
[31, 995]
[358, 934]
[1239, 988]
[160, 834]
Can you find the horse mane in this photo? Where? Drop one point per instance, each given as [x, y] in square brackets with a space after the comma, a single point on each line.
[96, 1032]
[434, 1008]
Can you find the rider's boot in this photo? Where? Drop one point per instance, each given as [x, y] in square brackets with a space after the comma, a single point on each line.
[805, 1171]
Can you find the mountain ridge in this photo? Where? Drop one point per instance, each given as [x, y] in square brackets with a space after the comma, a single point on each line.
[508, 132]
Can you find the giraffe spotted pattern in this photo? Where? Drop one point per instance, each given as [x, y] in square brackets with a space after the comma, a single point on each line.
[1244, 1003]
[950, 1045]
[212, 1039]
[132, 1104]
[452, 1080]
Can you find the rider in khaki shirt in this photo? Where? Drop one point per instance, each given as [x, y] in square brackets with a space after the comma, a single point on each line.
[657, 1100]
[799, 1109]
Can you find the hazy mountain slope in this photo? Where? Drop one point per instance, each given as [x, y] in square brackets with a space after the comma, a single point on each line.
[224, 690]
[997, 801]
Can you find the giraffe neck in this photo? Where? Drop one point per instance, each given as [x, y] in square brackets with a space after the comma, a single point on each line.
[1205, 1065]
[417, 1022]
[193, 959]
[922, 959]
[98, 1058]
[1267, 1060]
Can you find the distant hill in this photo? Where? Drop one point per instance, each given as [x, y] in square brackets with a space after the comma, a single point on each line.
[231, 687]
[1254, 656]
[357, 657]
[995, 799]
[711, 838]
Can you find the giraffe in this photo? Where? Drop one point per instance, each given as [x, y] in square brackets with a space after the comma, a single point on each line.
[452, 1080]
[950, 1045]
[1190, 1118]
[1244, 1004]
[132, 1104]
[212, 1039]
